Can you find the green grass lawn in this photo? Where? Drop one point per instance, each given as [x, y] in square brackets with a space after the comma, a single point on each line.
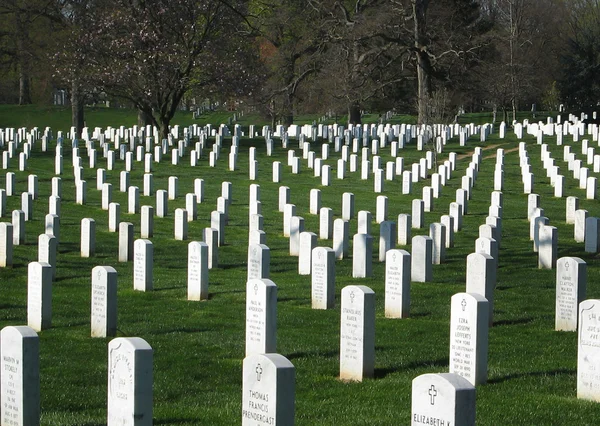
[199, 346]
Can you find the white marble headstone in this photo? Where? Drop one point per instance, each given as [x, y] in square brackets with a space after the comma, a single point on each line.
[19, 376]
[357, 335]
[442, 399]
[130, 379]
[261, 316]
[571, 284]
[268, 390]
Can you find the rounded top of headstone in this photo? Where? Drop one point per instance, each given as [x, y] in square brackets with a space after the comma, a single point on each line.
[276, 360]
[130, 343]
[18, 330]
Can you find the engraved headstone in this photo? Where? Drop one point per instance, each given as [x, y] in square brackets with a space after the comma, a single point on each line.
[19, 376]
[571, 284]
[104, 301]
[268, 390]
[397, 284]
[197, 274]
[588, 353]
[323, 278]
[357, 334]
[130, 378]
[442, 399]
[261, 316]
[469, 337]
[143, 264]
[259, 261]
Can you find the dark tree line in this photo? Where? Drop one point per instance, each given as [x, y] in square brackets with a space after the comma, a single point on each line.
[285, 57]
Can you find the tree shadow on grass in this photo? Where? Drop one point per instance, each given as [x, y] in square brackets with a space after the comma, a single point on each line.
[515, 321]
[175, 330]
[172, 421]
[232, 265]
[9, 306]
[559, 371]
[305, 354]
[383, 372]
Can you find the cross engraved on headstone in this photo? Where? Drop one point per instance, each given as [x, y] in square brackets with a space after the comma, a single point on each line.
[463, 304]
[259, 371]
[567, 266]
[352, 296]
[432, 393]
[320, 255]
[394, 257]
[255, 289]
[99, 274]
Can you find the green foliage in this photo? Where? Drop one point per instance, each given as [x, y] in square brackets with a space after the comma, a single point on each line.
[551, 100]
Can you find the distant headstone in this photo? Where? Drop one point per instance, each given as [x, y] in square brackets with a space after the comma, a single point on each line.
[341, 231]
[422, 259]
[181, 224]
[88, 237]
[362, 256]
[481, 278]
[197, 274]
[404, 229]
[114, 217]
[397, 284]
[323, 278]
[308, 241]
[39, 296]
[572, 205]
[6, 244]
[125, 241]
[437, 233]
[387, 238]
[548, 247]
[147, 222]
[143, 264]
[211, 237]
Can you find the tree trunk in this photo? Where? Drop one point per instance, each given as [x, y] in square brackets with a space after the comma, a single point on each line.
[163, 127]
[77, 113]
[287, 115]
[354, 115]
[424, 68]
[23, 62]
[144, 118]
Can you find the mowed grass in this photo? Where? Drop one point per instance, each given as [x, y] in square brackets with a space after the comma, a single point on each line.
[199, 346]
